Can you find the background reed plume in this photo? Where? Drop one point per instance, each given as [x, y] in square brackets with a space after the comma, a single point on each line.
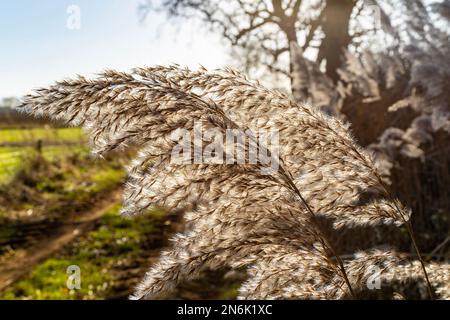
[238, 215]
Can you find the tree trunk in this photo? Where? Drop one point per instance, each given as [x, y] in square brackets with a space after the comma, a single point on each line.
[335, 26]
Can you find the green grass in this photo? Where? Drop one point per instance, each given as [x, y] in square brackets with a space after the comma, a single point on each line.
[80, 184]
[5, 150]
[231, 292]
[15, 136]
[48, 282]
[97, 254]
[106, 179]
[77, 183]
[53, 191]
[70, 177]
[12, 158]
[66, 180]
[12, 155]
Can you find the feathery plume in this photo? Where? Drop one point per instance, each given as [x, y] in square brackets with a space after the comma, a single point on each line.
[332, 171]
[235, 213]
[285, 274]
[224, 225]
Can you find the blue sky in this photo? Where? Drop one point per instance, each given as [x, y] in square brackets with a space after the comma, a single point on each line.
[38, 48]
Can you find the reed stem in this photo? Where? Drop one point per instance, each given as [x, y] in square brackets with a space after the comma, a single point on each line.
[327, 244]
[419, 256]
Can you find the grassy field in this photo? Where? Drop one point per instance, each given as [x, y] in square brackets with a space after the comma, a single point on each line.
[51, 190]
[48, 135]
[12, 158]
[18, 145]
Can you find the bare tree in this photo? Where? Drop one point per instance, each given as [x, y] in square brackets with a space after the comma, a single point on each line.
[261, 31]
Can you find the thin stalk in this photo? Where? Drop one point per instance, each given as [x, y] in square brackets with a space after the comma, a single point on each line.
[341, 267]
[324, 240]
[411, 234]
[408, 227]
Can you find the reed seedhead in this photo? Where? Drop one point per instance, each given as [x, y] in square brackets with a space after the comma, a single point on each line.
[244, 212]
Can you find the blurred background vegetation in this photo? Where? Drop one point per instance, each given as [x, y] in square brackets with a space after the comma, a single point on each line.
[380, 65]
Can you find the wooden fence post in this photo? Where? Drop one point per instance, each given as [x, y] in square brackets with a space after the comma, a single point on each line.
[39, 147]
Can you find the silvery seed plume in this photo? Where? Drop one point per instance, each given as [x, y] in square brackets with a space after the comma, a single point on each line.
[239, 216]
[234, 213]
[289, 275]
[365, 266]
[337, 178]
[232, 230]
[438, 273]
[388, 267]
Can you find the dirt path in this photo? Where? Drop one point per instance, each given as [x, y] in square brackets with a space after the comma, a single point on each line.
[25, 260]
[210, 285]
